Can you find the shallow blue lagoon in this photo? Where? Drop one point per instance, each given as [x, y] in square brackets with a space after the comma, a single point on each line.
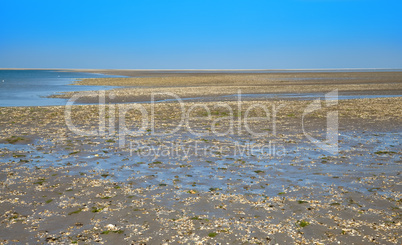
[32, 87]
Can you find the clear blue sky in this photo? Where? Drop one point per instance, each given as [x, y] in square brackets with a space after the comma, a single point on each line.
[193, 34]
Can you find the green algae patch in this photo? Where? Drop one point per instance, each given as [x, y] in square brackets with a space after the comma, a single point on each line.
[212, 234]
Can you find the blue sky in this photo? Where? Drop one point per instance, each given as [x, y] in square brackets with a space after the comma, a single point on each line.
[285, 34]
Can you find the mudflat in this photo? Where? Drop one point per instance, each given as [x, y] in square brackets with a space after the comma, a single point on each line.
[231, 172]
[139, 85]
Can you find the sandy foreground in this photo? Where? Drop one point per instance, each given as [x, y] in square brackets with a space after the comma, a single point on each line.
[227, 186]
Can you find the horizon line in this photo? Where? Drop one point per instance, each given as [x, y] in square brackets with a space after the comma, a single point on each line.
[122, 69]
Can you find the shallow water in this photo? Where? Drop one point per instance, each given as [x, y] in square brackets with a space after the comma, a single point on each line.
[303, 165]
[32, 87]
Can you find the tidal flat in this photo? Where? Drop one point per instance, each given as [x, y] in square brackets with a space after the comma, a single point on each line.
[214, 179]
[138, 86]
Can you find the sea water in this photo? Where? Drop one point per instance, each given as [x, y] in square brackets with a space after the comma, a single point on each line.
[33, 87]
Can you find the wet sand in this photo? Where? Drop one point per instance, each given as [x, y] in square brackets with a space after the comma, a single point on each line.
[59, 187]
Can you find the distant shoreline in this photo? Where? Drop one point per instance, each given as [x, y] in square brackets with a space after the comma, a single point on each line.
[217, 70]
